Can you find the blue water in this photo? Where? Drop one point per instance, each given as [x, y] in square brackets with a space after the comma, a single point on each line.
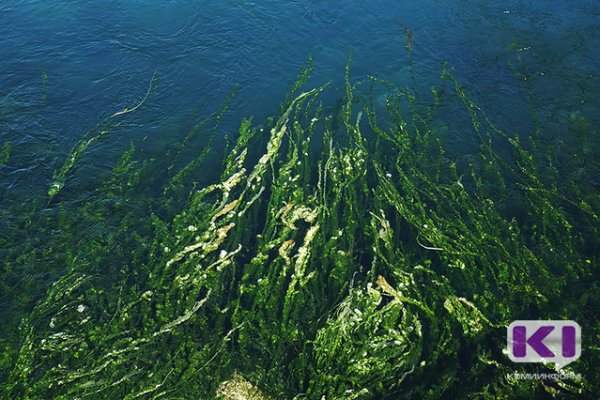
[67, 65]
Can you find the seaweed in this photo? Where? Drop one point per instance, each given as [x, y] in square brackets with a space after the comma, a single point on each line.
[98, 132]
[371, 265]
[5, 152]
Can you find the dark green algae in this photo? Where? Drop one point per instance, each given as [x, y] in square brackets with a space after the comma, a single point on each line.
[344, 256]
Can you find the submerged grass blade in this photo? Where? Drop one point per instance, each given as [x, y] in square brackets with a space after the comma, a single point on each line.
[102, 129]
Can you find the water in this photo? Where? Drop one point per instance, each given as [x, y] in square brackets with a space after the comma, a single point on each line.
[99, 56]
[65, 66]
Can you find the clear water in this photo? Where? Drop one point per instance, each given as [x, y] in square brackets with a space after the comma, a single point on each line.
[66, 65]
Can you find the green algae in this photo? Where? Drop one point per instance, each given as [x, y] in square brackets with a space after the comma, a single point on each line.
[98, 132]
[5, 152]
[317, 265]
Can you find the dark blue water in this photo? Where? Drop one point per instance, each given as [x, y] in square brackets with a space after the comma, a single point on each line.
[64, 66]
[67, 65]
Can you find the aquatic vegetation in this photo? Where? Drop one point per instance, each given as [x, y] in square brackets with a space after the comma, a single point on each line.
[355, 264]
[5, 152]
[102, 129]
[408, 34]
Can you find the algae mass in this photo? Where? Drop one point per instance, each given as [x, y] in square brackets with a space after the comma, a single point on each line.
[334, 255]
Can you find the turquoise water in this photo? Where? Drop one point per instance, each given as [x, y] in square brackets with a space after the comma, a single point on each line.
[66, 66]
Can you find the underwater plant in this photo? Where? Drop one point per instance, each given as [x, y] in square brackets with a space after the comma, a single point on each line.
[344, 256]
[5, 153]
[97, 133]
